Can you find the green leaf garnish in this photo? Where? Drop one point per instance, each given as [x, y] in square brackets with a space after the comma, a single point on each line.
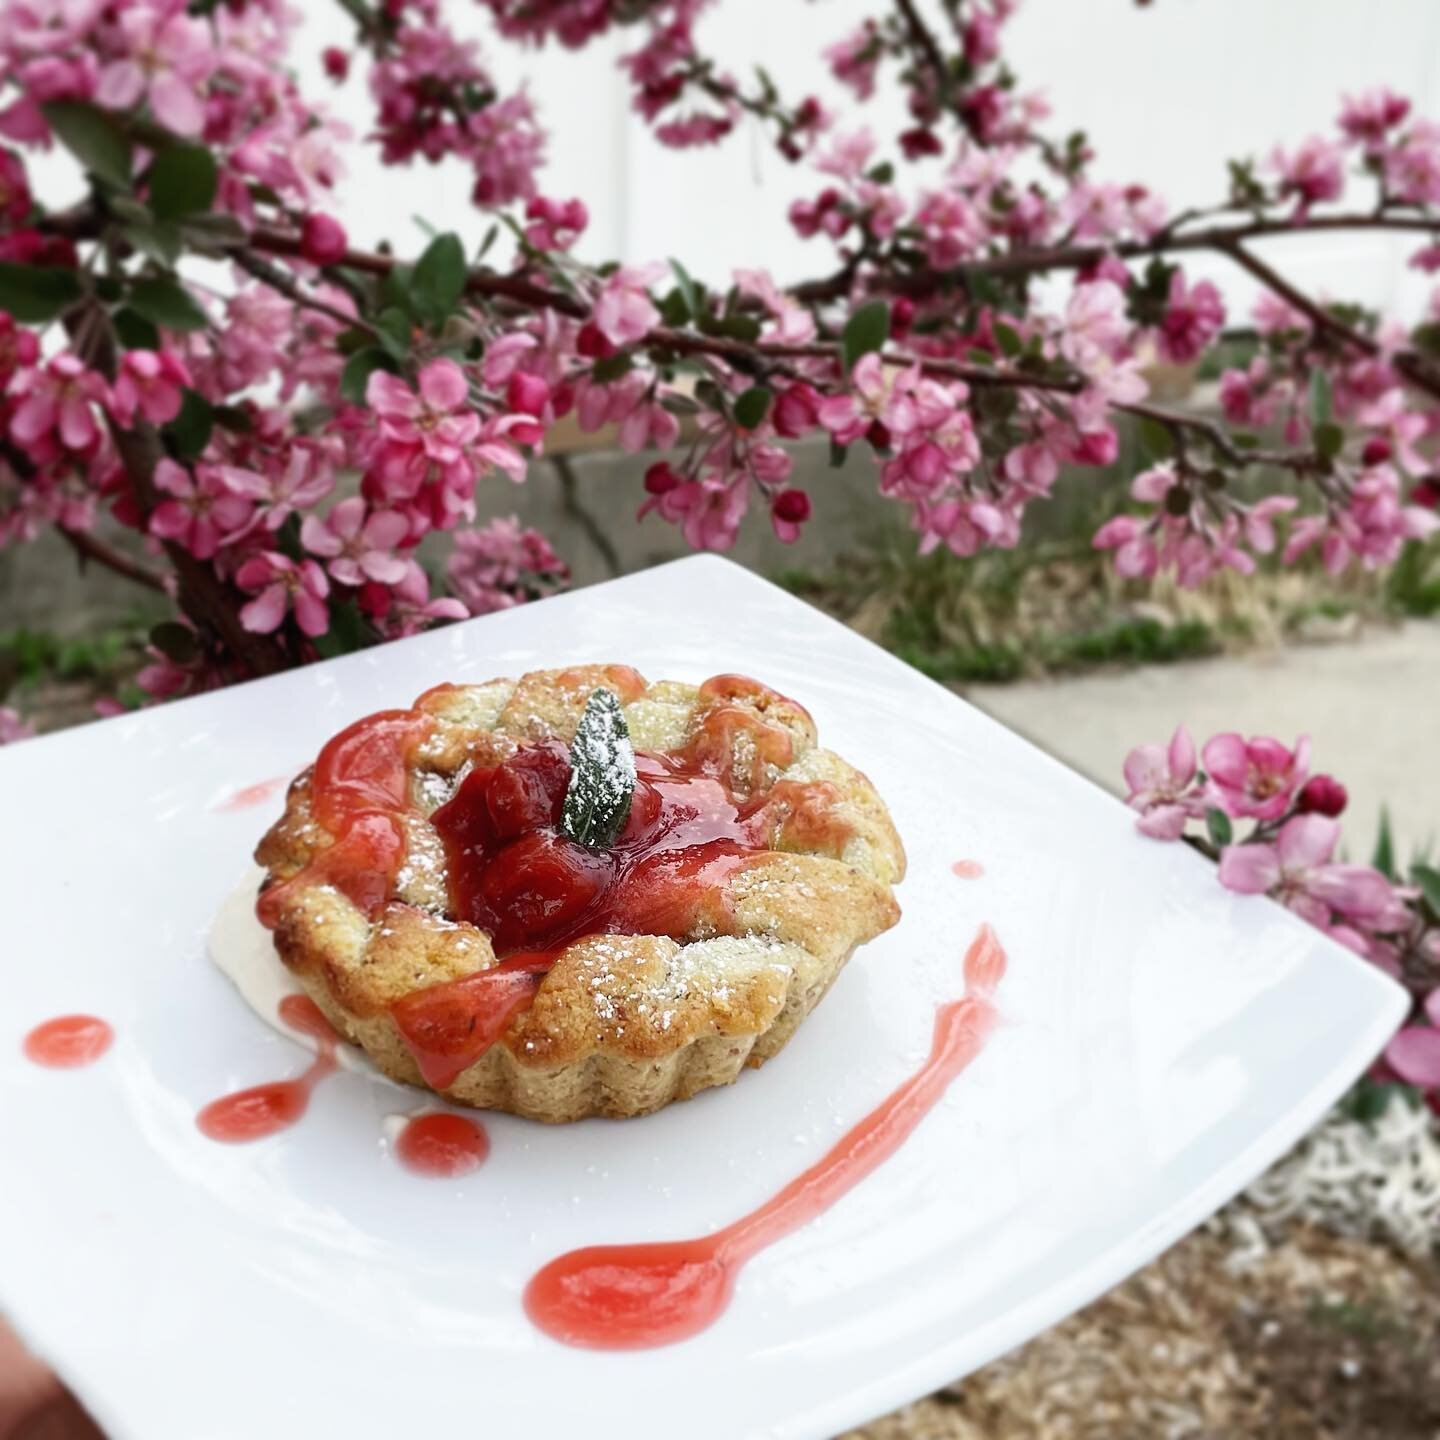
[602, 774]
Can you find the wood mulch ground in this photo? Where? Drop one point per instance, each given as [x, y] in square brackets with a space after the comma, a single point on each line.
[1318, 1338]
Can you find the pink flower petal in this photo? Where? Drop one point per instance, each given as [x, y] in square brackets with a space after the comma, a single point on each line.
[176, 104]
[266, 611]
[1182, 756]
[1249, 869]
[1414, 1055]
[1146, 768]
[1226, 760]
[443, 385]
[1307, 841]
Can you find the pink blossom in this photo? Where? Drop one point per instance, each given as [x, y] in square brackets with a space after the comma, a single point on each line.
[407, 605]
[19, 347]
[13, 727]
[1256, 778]
[1193, 319]
[149, 381]
[204, 513]
[1372, 527]
[433, 427]
[708, 510]
[555, 224]
[500, 564]
[1412, 165]
[1314, 171]
[1133, 542]
[301, 480]
[57, 404]
[853, 60]
[169, 59]
[793, 323]
[1297, 870]
[1274, 316]
[868, 403]
[1258, 521]
[282, 584]
[623, 309]
[1162, 786]
[358, 543]
[14, 190]
[1365, 119]
[1414, 1055]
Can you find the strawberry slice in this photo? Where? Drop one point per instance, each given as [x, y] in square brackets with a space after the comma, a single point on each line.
[448, 1027]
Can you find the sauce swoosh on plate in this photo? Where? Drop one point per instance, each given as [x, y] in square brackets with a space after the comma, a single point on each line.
[632, 1297]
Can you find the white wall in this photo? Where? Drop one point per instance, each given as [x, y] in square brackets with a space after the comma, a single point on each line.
[1166, 93]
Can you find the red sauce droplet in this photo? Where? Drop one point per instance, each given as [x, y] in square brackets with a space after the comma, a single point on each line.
[68, 1042]
[630, 1297]
[967, 869]
[255, 794]
[444, 1146]
[264, 1109]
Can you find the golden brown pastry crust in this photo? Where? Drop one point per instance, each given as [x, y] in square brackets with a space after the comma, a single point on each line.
[622, 1024]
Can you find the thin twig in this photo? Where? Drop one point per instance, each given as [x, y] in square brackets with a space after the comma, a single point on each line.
[89, 548]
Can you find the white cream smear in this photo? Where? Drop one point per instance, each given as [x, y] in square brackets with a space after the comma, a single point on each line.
[241, 948]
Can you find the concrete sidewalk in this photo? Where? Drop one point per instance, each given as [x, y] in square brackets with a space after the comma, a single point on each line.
[1371, 707]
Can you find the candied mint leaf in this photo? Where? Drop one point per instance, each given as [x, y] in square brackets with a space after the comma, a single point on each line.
[602, 774]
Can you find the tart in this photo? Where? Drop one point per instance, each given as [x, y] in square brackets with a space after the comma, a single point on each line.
[577, 893]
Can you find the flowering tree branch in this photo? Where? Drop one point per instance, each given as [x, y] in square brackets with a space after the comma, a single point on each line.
[219, 424]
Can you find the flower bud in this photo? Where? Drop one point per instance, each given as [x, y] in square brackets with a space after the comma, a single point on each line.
[526, 394]
[792, 505]
[1322, 795]
[660, 479]
[336, 62]
[322, 239]
[1376, 451]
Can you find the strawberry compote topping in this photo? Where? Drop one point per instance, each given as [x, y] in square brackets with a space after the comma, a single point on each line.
[514, 875]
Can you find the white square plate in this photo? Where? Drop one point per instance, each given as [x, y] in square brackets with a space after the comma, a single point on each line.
[1162, 1041]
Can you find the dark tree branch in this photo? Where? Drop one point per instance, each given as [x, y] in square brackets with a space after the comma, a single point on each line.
[89, 548]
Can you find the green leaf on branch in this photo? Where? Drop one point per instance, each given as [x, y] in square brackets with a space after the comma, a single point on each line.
[1219, 828]
[1329, 440]
[393, 326]
[438, 280]
[1319, 398]
[182, 181]
[175, 641]
[191, 429]
[1156, 438]
[349, 631]
[866, 330]
[1384, 857]
[602, 774]
[33, 294]
[168, 304]
[159, 241]
[689, 291]
[752, 407]
[94, 138]
[358, 370]
[1007, 337]
[134, 331]
[612, 367]
[1427, 879]
[395, 290]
